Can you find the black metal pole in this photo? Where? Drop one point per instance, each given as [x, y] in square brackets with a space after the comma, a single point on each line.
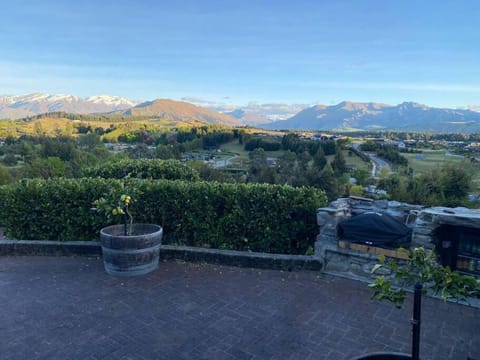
[416, 321]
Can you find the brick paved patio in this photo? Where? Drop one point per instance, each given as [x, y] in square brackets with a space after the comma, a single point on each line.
[68, 308]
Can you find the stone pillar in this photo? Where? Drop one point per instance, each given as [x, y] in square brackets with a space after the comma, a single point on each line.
[328, 219]
[423, 230]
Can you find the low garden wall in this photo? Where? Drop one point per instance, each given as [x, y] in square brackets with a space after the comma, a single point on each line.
[167, 252]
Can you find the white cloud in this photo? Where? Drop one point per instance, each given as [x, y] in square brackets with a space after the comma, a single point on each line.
[198, 100]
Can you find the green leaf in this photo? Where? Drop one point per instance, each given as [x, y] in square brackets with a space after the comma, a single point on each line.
[375, 268]
[381, 259]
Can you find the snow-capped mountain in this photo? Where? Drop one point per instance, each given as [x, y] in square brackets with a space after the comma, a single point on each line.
[111, 100]
[18, 106]
[473, 108]
[252, 113]
[407, 116]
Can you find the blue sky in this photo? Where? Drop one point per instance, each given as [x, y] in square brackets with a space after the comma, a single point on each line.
[300, 51]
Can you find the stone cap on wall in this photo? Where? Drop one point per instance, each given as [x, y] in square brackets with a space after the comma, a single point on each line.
[446, 212]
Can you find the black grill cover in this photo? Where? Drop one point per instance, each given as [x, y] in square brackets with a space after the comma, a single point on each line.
[375, 229]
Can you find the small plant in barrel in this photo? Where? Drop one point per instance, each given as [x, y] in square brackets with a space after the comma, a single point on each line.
[112, 209]
[128, 249]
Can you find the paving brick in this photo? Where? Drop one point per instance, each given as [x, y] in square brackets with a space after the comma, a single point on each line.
[59, 308]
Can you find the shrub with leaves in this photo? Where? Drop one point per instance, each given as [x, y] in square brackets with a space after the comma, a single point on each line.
[255, 217]
[144, 169]
[55, 209]
[422, 266]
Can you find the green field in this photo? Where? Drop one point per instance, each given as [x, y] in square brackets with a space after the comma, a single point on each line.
[436, 159]
[234, 147]
[354, 160]
[432, 158]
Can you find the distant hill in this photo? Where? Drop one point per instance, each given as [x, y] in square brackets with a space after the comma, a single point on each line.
[19, 106]
[247, 118]
[408, 116]
[181, 111]
[258, 114]
[251, 114]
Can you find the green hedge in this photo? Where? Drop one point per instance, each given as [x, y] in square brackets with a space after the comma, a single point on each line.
[256, 217]
[56, 209]
[144, 169]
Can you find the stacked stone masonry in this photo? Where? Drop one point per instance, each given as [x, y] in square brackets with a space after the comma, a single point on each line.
[423, 221]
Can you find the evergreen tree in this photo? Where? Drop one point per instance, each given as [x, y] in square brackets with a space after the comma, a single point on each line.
[456, 183]
[287, 167]
[319, 160]
[339, 165]
[328, 182]
[258, 162]
[329, 147]
[5, 177]
[304, 159]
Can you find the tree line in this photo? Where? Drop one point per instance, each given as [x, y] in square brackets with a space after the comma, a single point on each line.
[301, 162]
[389, 153]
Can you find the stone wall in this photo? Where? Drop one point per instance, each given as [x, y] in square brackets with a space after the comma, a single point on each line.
[428, 220]
[423, 221]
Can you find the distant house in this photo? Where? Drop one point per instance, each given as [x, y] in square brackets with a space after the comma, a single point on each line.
[372, 189]
[399, 144]
[117, 146]
[322, 137]
[198, 156]
[474, 146]
[271, 161]
[412, 143]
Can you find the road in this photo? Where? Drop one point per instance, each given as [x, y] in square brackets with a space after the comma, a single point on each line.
[225, 162]
[377, 163]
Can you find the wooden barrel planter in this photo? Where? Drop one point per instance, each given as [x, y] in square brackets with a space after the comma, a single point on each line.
[384, 356]
[134, 254]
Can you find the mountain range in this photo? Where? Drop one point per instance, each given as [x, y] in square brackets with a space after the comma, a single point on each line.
[252, 113]
[408, 116]
[19, 106]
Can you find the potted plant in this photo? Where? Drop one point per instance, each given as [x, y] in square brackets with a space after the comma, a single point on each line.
[128, 249]
[422, 271]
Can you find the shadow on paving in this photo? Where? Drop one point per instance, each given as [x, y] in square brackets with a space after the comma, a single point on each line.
[69, 308]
